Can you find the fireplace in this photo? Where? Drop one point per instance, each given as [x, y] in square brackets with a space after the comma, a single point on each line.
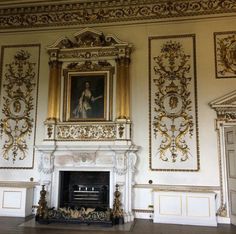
[88, 173]
[88, 189]
[73, 143]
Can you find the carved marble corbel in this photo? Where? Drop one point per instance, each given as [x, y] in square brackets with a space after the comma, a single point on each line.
[132, 161]
[121, 164]
[46, 162]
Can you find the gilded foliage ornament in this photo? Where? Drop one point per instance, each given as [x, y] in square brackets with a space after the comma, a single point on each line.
[225, 54]
[86, 132]
[17, 123]
[59, 13]
[172, 104]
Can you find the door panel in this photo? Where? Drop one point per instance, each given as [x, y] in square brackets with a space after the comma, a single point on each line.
[230, 150]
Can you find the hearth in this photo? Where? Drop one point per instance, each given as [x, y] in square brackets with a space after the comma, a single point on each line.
[110, 164]
[89, 189]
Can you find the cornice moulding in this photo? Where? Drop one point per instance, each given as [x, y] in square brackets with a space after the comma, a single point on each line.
[42, 14]
[225, 106]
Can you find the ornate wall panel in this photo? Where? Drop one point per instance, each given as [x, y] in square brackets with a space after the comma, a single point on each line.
[173, 104]
[19, 89]
[225, 54]
[52, 14]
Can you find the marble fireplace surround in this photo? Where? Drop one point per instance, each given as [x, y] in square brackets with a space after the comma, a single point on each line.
[117, 158]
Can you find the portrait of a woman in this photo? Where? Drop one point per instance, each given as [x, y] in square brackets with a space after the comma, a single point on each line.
[87, 97]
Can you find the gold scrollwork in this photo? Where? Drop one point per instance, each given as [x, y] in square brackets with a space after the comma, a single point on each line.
[17, 123]
[172, 104]
[226, 56]
[86, 132]
[106, 11]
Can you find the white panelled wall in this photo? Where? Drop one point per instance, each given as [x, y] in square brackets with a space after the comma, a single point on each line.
[145, 201]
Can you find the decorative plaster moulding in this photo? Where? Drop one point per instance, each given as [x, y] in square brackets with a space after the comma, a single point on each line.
[42, 14]
[225, 106]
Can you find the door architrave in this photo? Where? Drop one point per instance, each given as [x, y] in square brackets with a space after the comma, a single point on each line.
[225, 108]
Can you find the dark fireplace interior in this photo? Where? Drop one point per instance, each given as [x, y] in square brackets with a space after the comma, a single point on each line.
[84, 189]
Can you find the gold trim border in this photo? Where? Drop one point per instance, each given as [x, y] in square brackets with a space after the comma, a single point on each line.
[193, 36]
[36, 96]
[61, 13]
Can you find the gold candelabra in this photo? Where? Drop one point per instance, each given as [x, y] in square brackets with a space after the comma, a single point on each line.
[117, 212]
[42, 211]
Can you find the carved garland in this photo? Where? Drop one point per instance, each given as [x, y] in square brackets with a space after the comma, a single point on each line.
[87, 132]
[59, 14]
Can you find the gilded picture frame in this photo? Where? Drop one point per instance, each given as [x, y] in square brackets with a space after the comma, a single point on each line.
[87, 96]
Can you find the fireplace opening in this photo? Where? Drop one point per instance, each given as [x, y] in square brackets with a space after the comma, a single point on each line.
[88, 189]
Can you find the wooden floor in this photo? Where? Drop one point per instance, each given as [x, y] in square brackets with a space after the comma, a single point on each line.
[11, 226]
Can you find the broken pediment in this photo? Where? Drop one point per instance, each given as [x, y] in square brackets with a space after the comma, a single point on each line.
[88, 44]
[87, 37]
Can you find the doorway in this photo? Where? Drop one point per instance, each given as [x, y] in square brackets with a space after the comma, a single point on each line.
[230, 154]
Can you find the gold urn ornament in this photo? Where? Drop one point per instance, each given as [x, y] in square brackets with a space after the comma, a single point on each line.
[117, 212]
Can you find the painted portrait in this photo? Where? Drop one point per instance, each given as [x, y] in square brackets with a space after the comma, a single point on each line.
[87, 97]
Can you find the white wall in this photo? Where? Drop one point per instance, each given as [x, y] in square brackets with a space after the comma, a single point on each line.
[208, 89]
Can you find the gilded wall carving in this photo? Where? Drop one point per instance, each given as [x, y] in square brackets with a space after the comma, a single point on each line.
[173, 107]
[74, 13]
[173, 102]
[225, 53]
[86, 132]
[19, 98]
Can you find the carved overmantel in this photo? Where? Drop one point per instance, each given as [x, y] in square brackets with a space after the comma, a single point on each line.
[89, 52]
[225, 108]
